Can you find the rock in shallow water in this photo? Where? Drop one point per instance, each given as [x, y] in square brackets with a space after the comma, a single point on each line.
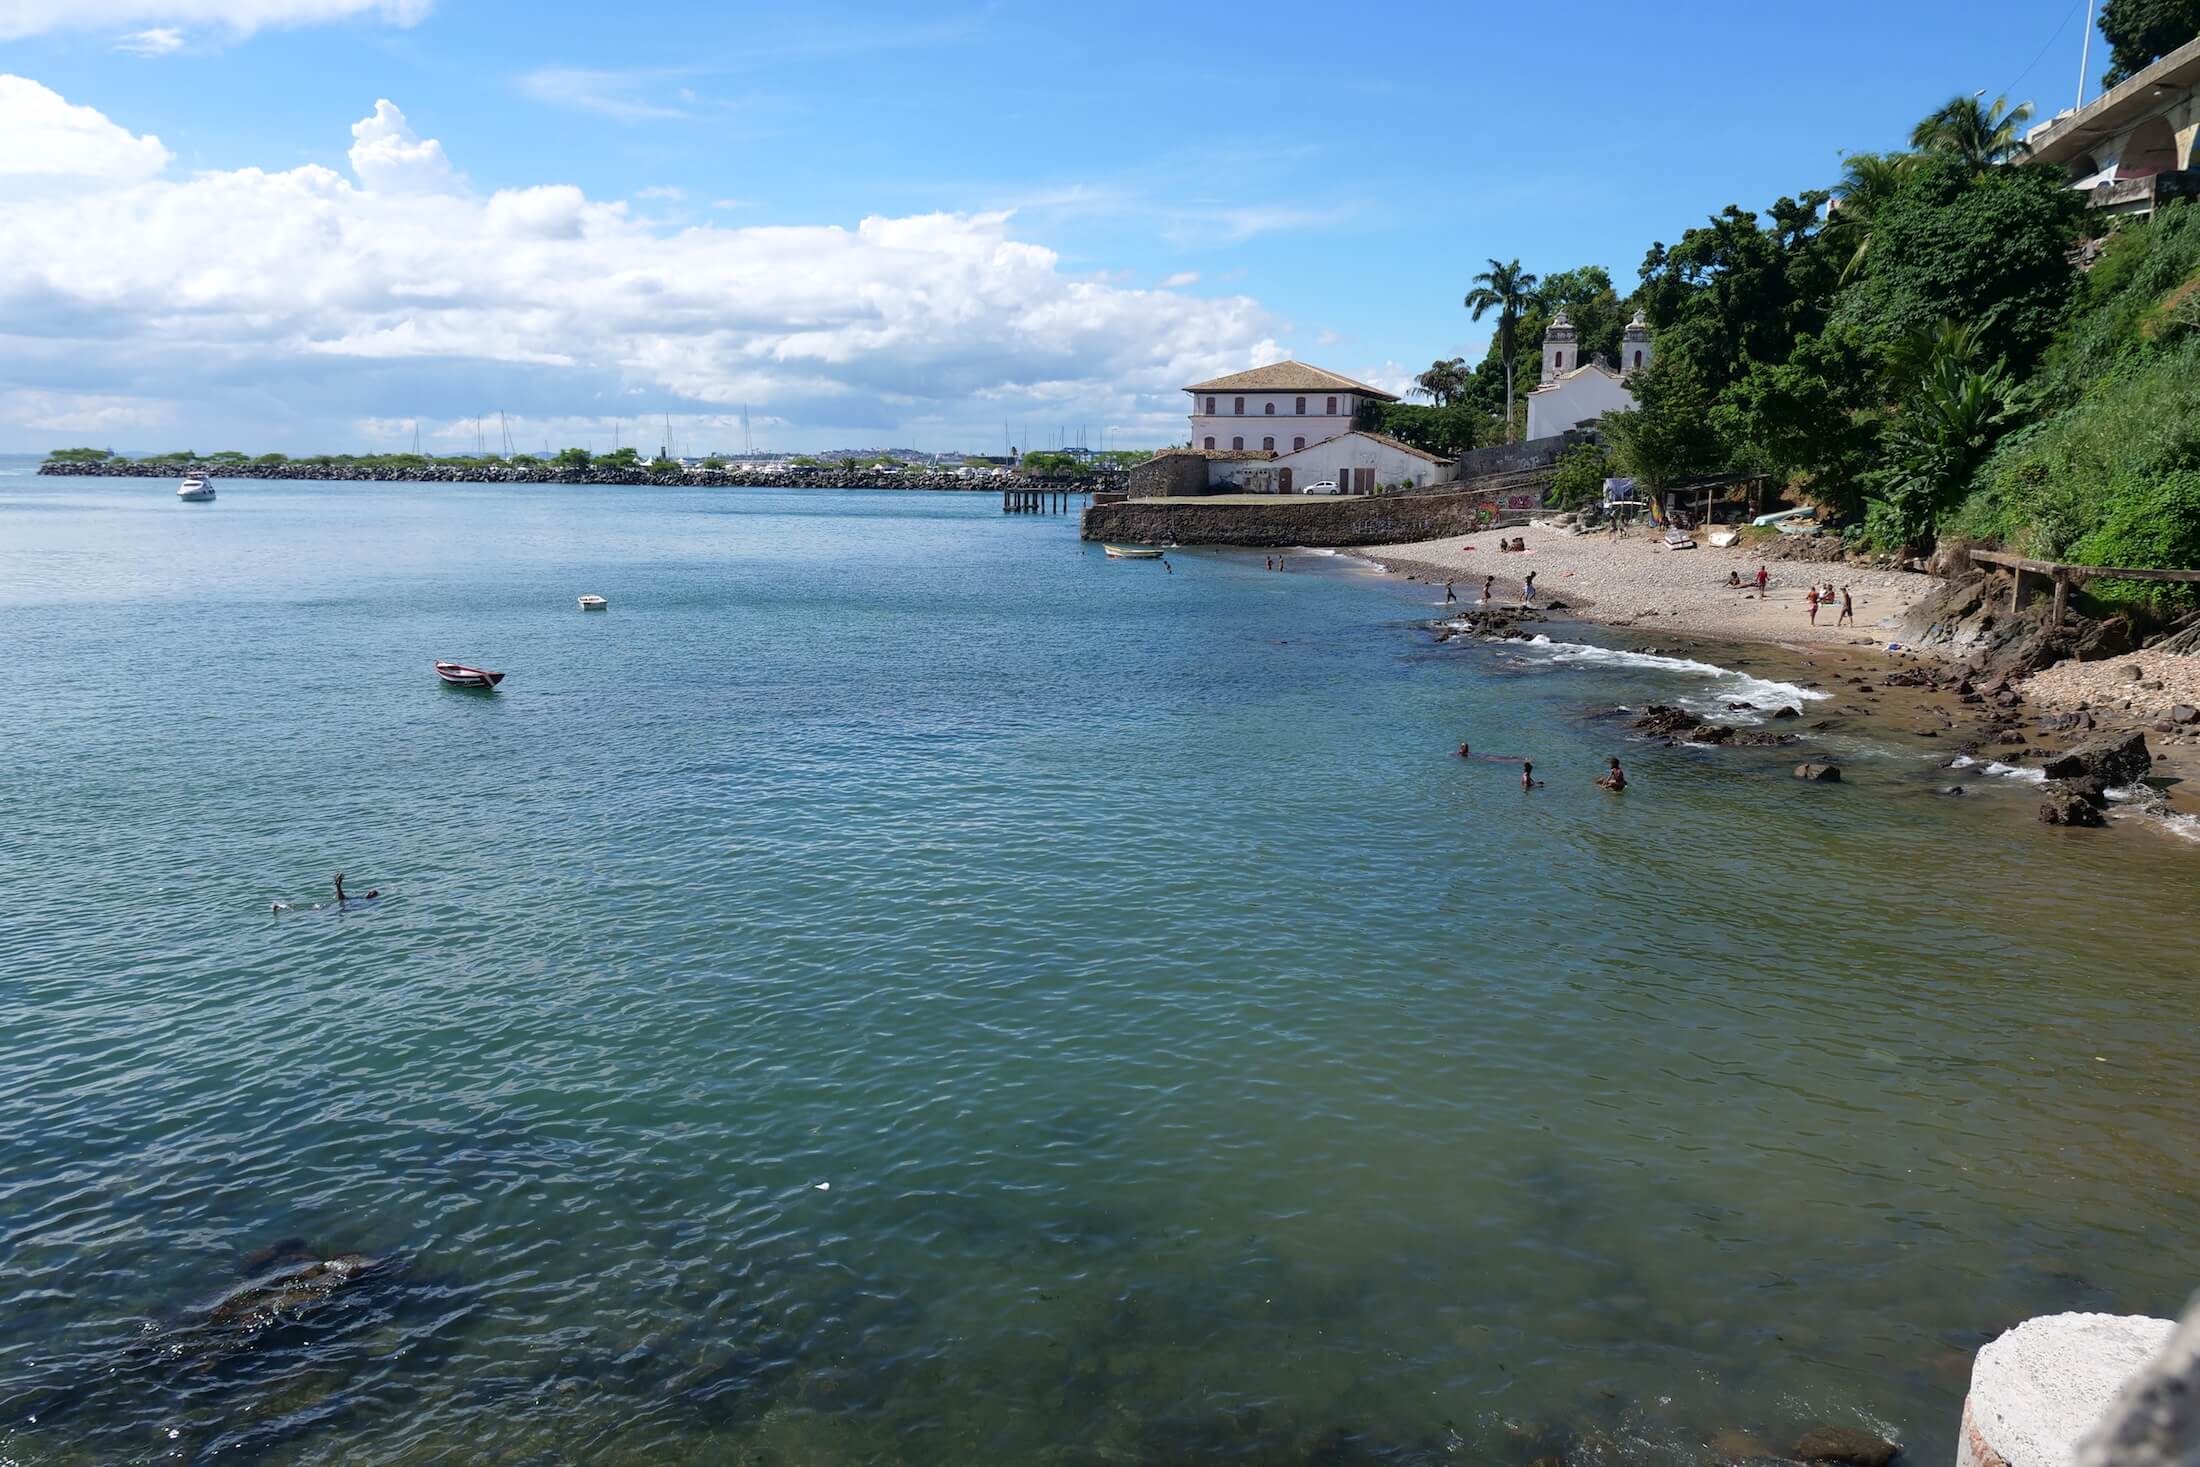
[1845, 1444]
[2117, 759]
[2062, 804]
[1819, 773]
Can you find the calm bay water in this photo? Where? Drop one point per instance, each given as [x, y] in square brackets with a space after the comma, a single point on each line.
[900, 988]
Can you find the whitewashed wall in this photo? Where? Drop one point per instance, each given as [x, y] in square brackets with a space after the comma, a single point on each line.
[1577, 400]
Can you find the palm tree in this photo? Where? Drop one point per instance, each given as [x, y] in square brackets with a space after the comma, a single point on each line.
[1982, 136]
[1443, 380]
[1867, 181]
[1507, 289]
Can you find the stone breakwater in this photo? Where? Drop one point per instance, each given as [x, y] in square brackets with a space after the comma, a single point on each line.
[1288, 521]
[754, 477]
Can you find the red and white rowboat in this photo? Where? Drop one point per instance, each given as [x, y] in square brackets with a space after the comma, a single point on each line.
[459, 675]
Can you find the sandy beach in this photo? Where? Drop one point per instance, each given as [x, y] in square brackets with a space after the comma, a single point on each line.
[1632, 580]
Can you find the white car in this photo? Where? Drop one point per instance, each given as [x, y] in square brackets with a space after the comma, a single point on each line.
[1326, 486]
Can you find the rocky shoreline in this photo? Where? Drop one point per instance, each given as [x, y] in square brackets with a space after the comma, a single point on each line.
[743, 476]
[1963, 684]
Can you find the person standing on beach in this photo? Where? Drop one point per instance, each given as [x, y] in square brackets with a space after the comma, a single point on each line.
[1489, 589]
[1810, 601]
[1449, 594]
[1762, 577]
[1847, 618]
[1527, 588]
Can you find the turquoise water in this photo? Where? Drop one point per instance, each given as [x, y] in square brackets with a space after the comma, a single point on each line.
[899, 987]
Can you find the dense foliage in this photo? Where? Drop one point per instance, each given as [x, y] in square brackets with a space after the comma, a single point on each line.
[1917, 352]
[2139, 31]
[1449, 430]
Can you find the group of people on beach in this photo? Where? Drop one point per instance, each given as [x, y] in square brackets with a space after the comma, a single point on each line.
[1613, 779]
[1817, 598]
[1813, 598]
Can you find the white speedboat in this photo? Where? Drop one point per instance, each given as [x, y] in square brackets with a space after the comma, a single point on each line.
[593, 603]
[196, 489]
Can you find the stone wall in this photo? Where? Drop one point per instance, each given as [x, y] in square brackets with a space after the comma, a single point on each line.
[1381, 520]
[1169, 476]
[1515, 458]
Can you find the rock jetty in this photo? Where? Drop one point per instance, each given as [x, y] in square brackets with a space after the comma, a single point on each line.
[743, 475]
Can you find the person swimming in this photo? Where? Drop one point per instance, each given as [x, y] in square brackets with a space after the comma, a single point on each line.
[341, 898]
[1464, 751]
[1528, 781]
[1616, 780]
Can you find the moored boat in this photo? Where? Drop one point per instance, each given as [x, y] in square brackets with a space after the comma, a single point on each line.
[196, 489]
[1131, 552]
[593, 603]
[459, 675]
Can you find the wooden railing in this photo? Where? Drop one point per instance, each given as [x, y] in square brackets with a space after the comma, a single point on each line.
[2063, 572]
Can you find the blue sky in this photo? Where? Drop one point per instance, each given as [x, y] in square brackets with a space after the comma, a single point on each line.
[1182, 193]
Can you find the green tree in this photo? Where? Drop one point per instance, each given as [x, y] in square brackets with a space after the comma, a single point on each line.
[2142, 31]
[1506, 289]
[1812, 420]
[78, 455]
[1582, 471]
[714, 462]
[1668, 436]
[1956, 244]
[1443, 380]
[272, 459]
[572, 458]
[1867, 181]
[621, 458]
[1948, 422]
[1735, 291]
[1447, 431]
[663, 466]
[1980, 135]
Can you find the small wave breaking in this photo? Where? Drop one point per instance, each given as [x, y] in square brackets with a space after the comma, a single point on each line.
[1728, 686]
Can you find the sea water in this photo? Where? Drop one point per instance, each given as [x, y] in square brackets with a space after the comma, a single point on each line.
[901, 987]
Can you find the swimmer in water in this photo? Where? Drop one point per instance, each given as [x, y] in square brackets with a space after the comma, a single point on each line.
[1616, 780]
[341, 898]
[1528, 781]
[1464, 751]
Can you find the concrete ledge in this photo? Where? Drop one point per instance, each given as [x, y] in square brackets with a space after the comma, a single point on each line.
[2039, 1389]
[1287, 520]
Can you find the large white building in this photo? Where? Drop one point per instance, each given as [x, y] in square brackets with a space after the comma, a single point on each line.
[1572, 391]
[1356, 462]
[1279, 408]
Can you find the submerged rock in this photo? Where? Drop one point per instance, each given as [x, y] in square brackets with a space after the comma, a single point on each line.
[1846, 1445]
[2061, 804]
[292, 1288]
[1819, 773]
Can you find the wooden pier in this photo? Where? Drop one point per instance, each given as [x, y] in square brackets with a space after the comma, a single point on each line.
[1053, 499]
[2062, 573]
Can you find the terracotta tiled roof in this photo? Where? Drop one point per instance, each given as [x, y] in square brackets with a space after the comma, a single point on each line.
[1289, 377]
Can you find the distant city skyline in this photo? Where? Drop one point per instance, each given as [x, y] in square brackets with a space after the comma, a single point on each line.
[306, 225]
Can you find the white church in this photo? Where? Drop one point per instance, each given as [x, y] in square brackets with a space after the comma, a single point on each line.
[1573, 391]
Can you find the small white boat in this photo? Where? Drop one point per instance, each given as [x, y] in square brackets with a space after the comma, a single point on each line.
[1131, 552]
[459, 675]
[593, 603]
[195, 489]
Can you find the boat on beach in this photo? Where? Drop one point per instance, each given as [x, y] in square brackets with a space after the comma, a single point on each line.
[1131, 552]
[459, 675]
[195, 489]
[594, 603]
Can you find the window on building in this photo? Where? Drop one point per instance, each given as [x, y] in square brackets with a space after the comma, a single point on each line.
[1210, 412]
[1301, 408]
[1268, 444]
[1638, 358]
[1269, 408]
[1331, 411]
[1297, 444]
[1240, 408]
[1558, 361]
[1237, 443]
[1210, 441]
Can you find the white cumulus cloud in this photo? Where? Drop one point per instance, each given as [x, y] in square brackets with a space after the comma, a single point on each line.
[44, 137]
[407, 293]
[238, 18]
[387, 156]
